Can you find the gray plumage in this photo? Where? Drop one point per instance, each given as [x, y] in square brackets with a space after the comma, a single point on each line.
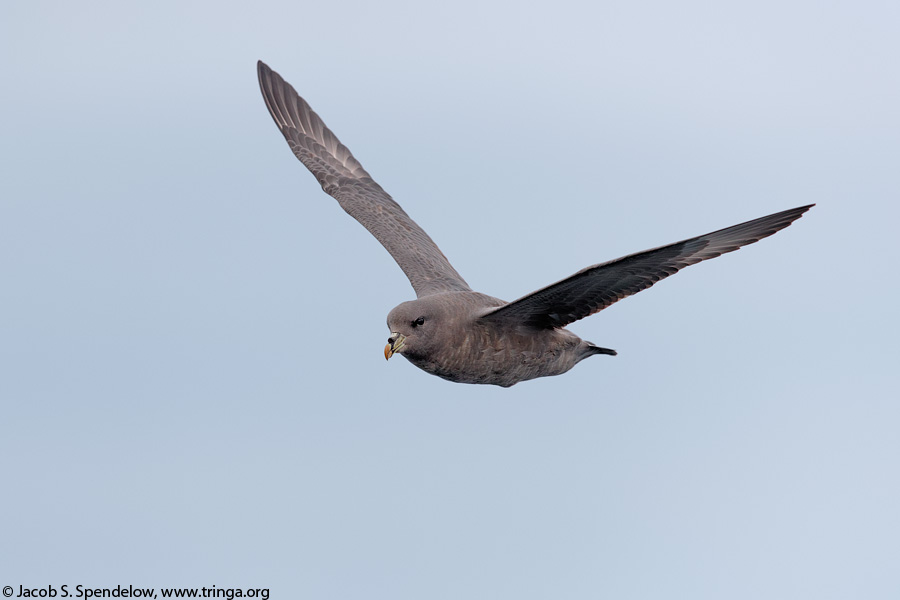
[462, 335]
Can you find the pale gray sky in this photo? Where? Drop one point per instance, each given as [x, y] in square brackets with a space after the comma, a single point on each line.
[191, 371]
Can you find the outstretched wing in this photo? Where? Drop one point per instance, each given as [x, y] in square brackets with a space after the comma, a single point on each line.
[343, 177]
[594, 288]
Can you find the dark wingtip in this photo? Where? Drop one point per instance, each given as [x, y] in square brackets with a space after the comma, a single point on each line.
[800, 210]
[269, 81]
[791, 215]
[262, 70]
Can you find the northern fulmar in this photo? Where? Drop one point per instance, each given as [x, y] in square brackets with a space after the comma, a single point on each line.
[465, 336]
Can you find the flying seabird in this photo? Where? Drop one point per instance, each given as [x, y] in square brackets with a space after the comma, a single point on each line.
[466, 336]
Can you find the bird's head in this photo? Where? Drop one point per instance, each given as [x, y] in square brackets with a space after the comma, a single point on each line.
[415, 328]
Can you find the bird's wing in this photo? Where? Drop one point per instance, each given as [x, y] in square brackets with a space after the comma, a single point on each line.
[594, 288]
[343, 177]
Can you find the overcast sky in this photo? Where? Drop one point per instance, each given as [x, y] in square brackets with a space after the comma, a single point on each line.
[192, 385]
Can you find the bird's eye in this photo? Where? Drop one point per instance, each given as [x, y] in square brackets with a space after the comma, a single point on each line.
[419, 321]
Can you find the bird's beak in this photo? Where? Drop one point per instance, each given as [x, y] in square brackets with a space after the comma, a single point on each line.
[395, 343]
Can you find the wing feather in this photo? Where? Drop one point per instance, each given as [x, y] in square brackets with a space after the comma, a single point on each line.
[592, 289]
[342, 177]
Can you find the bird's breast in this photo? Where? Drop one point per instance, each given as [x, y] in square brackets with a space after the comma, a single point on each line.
[491, 355]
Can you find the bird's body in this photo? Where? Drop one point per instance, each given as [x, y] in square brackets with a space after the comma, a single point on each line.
[480, 350]
[452, 331]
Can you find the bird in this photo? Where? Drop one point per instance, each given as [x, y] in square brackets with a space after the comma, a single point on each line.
[459, 334]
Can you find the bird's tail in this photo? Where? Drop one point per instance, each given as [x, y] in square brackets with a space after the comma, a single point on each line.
[592, 350]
